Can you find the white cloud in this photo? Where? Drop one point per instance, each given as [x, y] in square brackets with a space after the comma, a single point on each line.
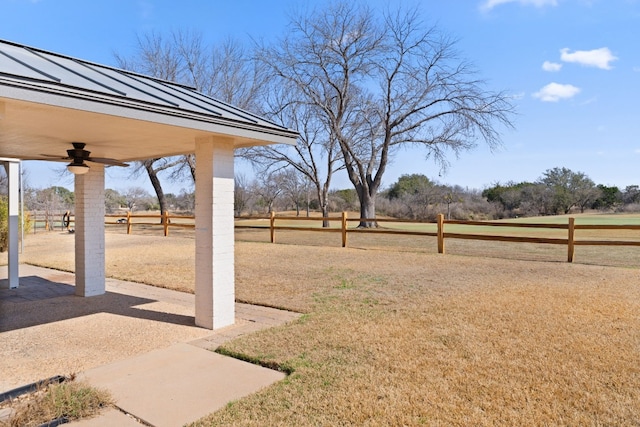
[551, 66]
[636, 69]
[599, 58]
[554, 92]
[490, 4]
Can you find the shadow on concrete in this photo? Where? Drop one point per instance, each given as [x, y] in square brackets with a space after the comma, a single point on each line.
[39, 301]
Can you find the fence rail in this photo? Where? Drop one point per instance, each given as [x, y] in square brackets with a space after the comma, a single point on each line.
[165, 221]
[45, 220]
[441, 234]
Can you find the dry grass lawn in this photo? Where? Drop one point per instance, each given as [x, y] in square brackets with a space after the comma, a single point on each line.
[410, 337]
[414, 339]
[68, 401]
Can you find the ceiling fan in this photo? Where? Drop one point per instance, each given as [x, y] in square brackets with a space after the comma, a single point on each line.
[78, 156]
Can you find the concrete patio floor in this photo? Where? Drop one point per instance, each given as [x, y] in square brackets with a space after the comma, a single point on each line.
[137, 341]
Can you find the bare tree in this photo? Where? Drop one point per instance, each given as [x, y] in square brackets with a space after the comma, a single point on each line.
[234, 76]
[224, 71]
[113, 200]
[384, 83]
[451, 195]
[159, 58]
[241, 194]
[155, 56]
[268, 189]
[186, 201]
[631, 194]
[185, 169]
[293, 184]
[316, 155]
[136, 197]
[153, 167]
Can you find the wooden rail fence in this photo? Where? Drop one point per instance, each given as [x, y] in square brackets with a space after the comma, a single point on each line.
[441, 234]
[44, 220]
[128, 220]
[165, 221]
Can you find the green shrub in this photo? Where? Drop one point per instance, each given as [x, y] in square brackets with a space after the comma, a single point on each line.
[4, 223]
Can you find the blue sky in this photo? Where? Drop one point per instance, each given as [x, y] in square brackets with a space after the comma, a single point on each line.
[573, 67]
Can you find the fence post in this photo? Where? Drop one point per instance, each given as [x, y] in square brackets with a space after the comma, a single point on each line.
[571, 244]
[129, 222]
[165, 223]
[344, 229]
[440, 233]
[272, 226]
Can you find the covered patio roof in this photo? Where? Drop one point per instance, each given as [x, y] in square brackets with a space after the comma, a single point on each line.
[48, 100]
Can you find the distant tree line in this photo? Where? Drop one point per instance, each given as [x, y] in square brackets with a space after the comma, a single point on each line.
[412, 196]
[415, 196]
[560, 191]
[53, 200]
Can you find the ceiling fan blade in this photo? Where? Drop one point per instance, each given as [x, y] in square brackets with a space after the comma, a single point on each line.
[43, 158]
[106, 161]
[54, 157]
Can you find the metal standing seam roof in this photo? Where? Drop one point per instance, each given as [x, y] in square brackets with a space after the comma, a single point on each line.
[48, 77]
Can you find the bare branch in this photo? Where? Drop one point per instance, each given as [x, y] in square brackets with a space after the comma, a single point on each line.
[378, 84]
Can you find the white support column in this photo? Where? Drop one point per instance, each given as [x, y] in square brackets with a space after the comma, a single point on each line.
[89, 232]
[13, 175]
[215, 287]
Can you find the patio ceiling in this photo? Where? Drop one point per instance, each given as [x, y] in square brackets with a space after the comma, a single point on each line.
[48, 101]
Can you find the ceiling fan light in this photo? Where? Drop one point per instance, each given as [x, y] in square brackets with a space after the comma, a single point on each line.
[78, 168]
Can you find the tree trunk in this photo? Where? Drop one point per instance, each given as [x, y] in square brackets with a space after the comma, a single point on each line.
[325, 214]
[367, 210]
[191, 161]
[155, 182]
[323, 201]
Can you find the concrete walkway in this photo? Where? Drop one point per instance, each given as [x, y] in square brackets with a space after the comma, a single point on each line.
[171, 385]
[180, 384]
